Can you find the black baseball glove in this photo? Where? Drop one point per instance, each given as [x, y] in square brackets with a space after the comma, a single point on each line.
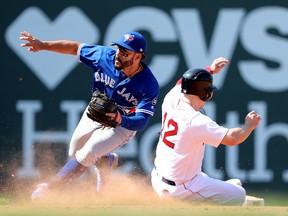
[99, 105]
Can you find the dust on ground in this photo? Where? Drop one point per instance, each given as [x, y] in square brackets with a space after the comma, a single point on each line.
[122, 194]
[119, 190]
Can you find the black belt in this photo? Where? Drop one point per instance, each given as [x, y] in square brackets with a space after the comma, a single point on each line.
[169, 182]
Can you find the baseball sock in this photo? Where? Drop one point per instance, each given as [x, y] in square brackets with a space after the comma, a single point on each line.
[72, 170]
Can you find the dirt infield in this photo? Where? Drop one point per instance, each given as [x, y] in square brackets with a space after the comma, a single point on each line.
[125, 195]
[141, 211]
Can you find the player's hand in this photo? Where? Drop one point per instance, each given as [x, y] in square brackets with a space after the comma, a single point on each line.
[252, 119]
[34, 44]
[115, 117]
[218, 64]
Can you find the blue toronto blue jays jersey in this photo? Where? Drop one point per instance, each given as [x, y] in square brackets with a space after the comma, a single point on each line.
[136, 97]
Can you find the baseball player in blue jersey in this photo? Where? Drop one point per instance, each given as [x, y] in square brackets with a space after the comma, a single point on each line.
[123, 76]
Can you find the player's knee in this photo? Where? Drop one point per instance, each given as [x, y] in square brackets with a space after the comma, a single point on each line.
[71, 153]
[240, 197]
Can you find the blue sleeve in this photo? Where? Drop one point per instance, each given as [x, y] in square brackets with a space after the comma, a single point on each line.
[135, 123]
[92, 55]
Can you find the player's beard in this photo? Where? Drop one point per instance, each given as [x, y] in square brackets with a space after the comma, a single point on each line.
[123, 64]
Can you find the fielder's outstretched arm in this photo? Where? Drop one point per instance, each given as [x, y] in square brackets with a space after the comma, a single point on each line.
[60, 46]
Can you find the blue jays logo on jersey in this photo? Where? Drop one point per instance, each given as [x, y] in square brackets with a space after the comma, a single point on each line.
[104, 78]
[127, 110]
[128, 96]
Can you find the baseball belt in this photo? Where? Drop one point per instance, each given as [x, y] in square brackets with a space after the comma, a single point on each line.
[167, 181]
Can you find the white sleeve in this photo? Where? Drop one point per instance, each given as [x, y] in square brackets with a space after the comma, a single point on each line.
[208, 131]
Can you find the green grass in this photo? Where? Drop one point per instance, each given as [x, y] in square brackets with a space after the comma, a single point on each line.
[4, 201]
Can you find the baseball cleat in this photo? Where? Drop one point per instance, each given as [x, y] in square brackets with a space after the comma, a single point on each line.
[40, 192]
[103, 167]
[108, 161]
[113, 159]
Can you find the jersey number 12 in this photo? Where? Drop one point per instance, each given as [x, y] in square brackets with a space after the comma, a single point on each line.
[170, 132]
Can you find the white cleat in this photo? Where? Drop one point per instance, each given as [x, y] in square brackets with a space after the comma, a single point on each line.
[40, 192]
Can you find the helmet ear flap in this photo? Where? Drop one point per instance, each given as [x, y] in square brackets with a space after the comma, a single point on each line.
[198, 81]
[209, 91]
[208, 96]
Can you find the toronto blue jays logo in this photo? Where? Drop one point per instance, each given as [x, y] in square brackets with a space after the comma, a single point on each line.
[128, 96]
[127, 110]
[128, 37]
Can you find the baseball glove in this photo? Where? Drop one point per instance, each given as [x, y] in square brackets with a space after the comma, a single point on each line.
[99, 105]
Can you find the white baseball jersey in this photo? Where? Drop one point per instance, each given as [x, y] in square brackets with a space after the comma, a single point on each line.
[184, 133]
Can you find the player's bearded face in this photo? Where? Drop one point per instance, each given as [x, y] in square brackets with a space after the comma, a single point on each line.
[123, 59]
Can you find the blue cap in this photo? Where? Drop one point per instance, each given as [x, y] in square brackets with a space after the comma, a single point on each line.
[133, 41]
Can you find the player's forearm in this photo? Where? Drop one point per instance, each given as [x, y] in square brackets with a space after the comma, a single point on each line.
[61, 46]
[236, 136]
[135, 123]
